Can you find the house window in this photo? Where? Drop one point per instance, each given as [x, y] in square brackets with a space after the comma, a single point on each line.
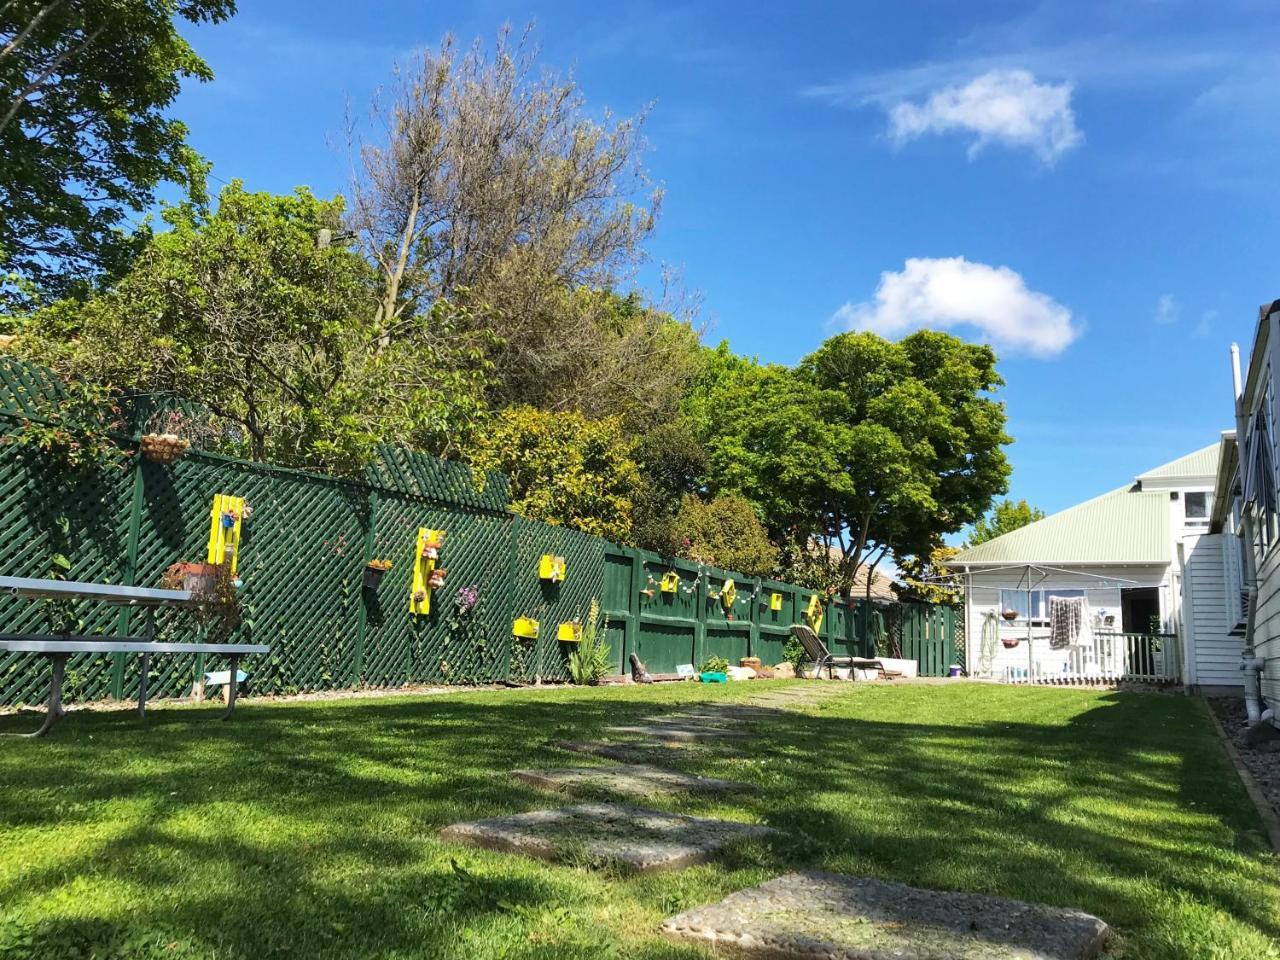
[1196, 506]
[1017, 600]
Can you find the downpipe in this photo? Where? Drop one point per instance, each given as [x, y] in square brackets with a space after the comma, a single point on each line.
[1252, 667]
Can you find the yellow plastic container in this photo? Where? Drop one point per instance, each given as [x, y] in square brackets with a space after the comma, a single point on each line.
[525, 627]
[670, 582]
[775, 602]
[569, 632]
[551, 567]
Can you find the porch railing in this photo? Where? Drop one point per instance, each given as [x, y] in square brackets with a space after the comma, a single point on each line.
[1111, 658]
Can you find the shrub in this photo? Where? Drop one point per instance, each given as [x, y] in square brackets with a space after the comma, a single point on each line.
[589, 661]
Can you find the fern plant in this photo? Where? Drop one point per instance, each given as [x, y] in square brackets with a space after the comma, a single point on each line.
[589, 660]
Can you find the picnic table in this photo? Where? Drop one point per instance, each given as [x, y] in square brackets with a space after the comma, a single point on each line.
[58, 647]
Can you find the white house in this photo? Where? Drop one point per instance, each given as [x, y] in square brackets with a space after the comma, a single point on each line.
[1156, 583]
[1248, 512]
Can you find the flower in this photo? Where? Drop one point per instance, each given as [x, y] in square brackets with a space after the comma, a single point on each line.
[466, 598]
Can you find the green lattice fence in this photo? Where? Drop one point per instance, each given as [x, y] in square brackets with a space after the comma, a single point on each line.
[303, 553]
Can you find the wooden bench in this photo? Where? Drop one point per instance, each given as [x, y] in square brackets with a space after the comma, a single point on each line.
[57, 648]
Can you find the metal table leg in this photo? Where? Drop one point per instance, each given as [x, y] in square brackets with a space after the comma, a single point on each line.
[54, 711]
[142, 685]
[231, 690]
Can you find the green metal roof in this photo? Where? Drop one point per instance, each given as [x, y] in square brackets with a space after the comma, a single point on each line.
[1202, 463]
[1123, 526]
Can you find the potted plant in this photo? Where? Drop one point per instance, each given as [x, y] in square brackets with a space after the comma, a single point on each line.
[374, 571]
[192, 577]
[1009, 614]
[431, 548]
[164, 448]
[436, 580]
[1010, 642]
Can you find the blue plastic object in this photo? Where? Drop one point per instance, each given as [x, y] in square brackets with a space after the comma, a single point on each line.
[713, 677]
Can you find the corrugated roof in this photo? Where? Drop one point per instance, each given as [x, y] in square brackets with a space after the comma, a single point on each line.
[1202, 463]
[1123, 526]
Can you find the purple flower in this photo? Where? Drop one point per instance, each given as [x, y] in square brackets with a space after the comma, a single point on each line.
[467, 598]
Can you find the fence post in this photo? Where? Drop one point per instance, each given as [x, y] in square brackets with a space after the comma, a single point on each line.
[362, 616]
[129, 575]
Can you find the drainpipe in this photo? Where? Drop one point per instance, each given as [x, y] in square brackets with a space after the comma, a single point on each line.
[1250, 663]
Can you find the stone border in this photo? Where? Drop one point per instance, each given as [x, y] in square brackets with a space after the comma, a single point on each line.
[1270, 821]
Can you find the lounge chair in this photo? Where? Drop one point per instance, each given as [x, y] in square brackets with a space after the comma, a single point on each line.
[816, 650]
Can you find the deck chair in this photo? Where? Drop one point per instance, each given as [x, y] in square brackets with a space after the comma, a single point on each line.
[816, 650]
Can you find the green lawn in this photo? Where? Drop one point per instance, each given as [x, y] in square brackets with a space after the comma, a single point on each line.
[307, 829]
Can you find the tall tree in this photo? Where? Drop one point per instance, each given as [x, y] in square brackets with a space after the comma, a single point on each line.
[1005, 517]
[241, 310]
[868, 447]
[84, 89]
[485, 182]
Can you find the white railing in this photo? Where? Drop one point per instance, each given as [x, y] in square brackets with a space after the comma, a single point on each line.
[1110, 658]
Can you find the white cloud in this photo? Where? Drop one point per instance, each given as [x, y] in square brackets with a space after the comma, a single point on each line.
[1205, 325]
[1001, 106]
[954, 292]
[1168, 310]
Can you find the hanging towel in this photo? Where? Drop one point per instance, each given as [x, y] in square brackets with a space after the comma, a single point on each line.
[1066, 621]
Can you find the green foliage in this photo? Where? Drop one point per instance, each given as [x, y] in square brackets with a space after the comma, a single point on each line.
[672, 462]
[589, 658]
[793, 652]
[1005, 517]
[714, 665]
[921, 577]
[86, 133]
[243, 312]
[76, 432]
[867, 446]
[724, 532]
[564, 468]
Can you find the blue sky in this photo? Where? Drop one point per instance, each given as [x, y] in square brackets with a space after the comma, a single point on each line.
[1091, 186]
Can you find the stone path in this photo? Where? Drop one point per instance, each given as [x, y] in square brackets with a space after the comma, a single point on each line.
[625, 779]
[835, 917]
[801, 915]
[642, 840]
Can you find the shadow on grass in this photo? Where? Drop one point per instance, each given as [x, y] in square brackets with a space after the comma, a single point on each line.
[308, 829]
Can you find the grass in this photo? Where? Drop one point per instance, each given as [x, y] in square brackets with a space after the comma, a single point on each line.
[307, 829]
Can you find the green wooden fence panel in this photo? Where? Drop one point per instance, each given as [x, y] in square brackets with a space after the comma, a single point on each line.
[302, 557]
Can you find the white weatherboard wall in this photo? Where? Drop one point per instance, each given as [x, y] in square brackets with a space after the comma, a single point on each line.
[1215, 653]
[1266, 637]
[1102, 591]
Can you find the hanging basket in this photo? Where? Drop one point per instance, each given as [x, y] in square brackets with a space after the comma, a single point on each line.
[1010, 643]
[164, 447]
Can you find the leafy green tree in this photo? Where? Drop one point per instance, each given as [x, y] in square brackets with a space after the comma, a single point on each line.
[1005, 517]
[563, 467]
[244, 312]
[867, 447]
[672, 462]
[84, 91]
[724, 532]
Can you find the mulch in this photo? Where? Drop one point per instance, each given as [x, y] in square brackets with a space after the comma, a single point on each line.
[1264, 767]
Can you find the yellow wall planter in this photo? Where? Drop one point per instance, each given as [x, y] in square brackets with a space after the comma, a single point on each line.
[224, 530]
[728, 594]
[569, 632]
[813, 613]
[775, 602]
[525, 627]
[670, 582]
[429, 541]
[551, 568]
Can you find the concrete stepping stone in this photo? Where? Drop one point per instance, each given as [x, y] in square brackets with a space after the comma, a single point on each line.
[838, 917]
[632, 837]
[630, 779]
[673, 731]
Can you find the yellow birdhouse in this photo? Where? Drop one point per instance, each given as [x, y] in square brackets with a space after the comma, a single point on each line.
[569, 632]
[670, 582]
[775, 602]
[426, 555]
[551, 568]
[526, 628]
[813, 613]
[224, 530]
[728, 594]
